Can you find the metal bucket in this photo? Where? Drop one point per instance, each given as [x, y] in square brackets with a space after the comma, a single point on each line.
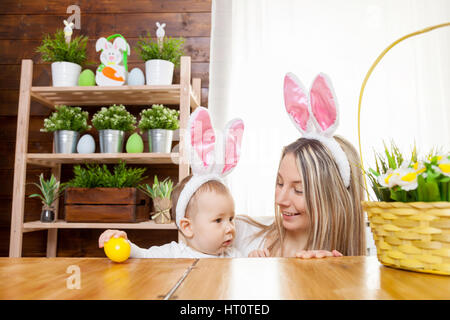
[111, 141]
[160, 140]
[65, 141]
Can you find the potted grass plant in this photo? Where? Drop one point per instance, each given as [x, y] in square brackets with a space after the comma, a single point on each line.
[112, 123]
[50, 192]
[161, 57]
[160, 122]
[160, 192]
[98, 194]
[66, 123]
[66, 58]
[410, 219]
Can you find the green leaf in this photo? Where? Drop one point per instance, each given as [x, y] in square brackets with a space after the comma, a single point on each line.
[171, 50]
[376, 174]
[54, 49]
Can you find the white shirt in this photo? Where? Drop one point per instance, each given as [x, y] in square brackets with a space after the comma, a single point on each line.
[178, 250]
[244, 241]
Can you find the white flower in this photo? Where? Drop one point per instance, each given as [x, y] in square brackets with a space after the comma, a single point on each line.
[388, 179]
[443, 165]
[406, 178]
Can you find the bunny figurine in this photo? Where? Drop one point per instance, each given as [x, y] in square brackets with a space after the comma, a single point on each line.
[68, 30]
[209, 160]
[160, 33]
[114, 70]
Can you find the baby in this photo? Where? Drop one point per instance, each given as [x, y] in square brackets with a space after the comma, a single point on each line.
[208, 226]
[202, 205]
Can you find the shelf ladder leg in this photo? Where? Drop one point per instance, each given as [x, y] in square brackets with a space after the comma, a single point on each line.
[20, 164]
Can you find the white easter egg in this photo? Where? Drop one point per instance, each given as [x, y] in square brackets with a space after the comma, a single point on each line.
[136, 77]
[86, 144]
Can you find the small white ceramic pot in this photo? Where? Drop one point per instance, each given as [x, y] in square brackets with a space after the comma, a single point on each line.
[65, 74]
[159, 72]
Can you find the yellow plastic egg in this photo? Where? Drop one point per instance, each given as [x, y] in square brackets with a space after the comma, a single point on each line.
[117, 249]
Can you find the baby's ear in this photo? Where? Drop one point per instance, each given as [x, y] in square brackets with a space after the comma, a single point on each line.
[186, 227]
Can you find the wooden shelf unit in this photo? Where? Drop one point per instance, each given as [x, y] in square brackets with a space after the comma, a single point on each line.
[98, 96]
[61, 224]
[54, 159]
[186, 95]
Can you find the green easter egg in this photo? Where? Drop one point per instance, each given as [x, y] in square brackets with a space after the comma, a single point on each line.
[87, 78]
[135, 144]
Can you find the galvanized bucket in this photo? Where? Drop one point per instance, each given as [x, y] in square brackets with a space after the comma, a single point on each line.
[111, 141]
[160, 140]
[65, 141]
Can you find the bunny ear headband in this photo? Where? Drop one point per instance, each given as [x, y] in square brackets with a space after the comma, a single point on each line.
[316, 115]
[209, 161]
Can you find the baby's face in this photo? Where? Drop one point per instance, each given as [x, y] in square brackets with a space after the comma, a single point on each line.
[213, 223]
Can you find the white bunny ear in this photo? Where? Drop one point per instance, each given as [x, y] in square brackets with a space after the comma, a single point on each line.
[101, 44]
[65, 22]
[324, 105]
[296, 102]
[230, 148]
[201, 141]
[119, 43]
[158, 25]
[163, 25]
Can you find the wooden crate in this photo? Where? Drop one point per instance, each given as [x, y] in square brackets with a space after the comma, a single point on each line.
[106, 205]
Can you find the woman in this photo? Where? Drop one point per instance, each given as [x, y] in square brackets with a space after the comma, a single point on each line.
[319, 186]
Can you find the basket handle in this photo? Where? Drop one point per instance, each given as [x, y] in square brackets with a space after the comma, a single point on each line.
[447, 24]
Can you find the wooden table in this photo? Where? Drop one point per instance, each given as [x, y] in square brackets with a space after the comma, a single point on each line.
[246, 278]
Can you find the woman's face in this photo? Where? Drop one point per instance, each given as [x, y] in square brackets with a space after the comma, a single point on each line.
[289, 195]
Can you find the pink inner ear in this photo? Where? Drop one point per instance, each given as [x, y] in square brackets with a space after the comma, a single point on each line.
[202, 137]
[296, 102]
[323, 103]
[233, 145]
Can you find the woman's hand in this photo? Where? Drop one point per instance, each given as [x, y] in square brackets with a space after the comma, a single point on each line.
[264, 253]
[108, 234]
[309, 254]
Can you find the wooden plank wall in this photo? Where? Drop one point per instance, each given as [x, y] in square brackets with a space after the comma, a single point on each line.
[22, 25]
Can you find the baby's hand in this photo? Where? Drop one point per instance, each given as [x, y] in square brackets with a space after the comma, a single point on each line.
[259, 253]
[108, 234]
[308, 254]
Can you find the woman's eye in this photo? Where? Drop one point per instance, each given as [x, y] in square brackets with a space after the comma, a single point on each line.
[231, 219]
[298, 191]
[218, 220]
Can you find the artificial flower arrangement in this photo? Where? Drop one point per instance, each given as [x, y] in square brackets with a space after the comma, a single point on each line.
[67, 118]
[159, 117]
[409, 221]
[412, 180]
[115, 117]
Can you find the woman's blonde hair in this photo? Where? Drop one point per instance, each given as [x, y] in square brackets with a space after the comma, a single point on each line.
[335, 212]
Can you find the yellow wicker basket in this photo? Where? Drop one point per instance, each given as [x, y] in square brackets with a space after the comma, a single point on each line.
[413, 235]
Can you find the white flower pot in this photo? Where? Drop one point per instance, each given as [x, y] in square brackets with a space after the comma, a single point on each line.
[158, 72]
[65, 74]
